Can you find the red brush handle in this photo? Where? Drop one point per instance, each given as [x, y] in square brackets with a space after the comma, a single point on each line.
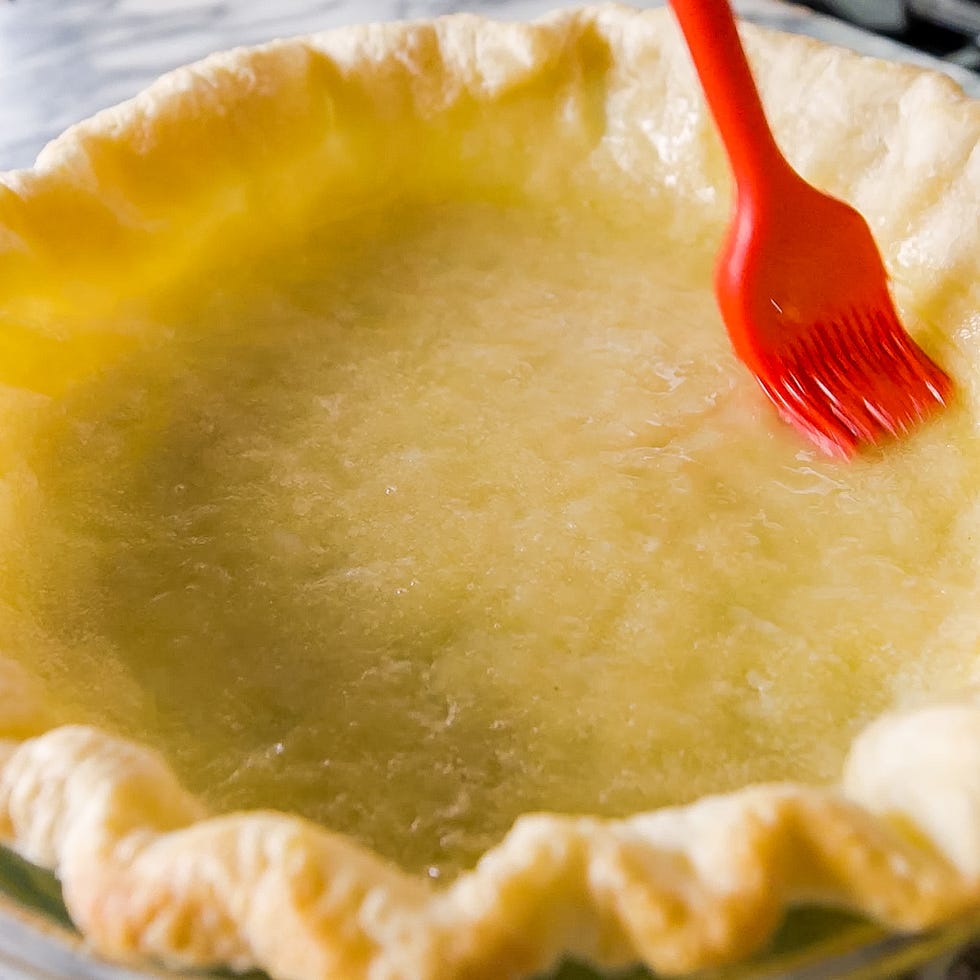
[712, 38]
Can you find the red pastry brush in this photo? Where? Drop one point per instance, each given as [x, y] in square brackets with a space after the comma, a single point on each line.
[800, 283]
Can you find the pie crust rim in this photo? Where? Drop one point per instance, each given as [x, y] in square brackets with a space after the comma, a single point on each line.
[146, 872]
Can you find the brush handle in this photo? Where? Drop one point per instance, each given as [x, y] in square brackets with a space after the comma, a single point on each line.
[712, 38]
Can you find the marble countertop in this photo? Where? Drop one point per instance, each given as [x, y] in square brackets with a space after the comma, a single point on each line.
[62, 60]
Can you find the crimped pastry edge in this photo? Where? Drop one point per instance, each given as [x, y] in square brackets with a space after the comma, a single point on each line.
[146, 872]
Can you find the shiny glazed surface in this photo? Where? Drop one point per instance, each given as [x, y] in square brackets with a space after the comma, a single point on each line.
[455, 511]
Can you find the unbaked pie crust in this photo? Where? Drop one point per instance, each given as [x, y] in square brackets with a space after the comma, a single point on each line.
[218, 166]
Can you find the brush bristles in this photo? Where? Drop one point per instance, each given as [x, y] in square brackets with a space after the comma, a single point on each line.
[855, 380]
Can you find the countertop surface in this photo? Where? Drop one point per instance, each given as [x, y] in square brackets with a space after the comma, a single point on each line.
[62, 60]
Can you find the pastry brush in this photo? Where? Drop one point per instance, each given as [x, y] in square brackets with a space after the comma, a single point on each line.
[799, 281]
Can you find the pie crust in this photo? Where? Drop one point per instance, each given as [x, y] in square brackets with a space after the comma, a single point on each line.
[146, 872]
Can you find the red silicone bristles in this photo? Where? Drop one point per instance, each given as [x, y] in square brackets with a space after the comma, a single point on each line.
[855, 380]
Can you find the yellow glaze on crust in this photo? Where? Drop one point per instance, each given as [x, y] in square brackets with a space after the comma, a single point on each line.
[222, 173]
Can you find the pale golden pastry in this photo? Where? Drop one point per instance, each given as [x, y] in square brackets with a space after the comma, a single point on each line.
[376, 470]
